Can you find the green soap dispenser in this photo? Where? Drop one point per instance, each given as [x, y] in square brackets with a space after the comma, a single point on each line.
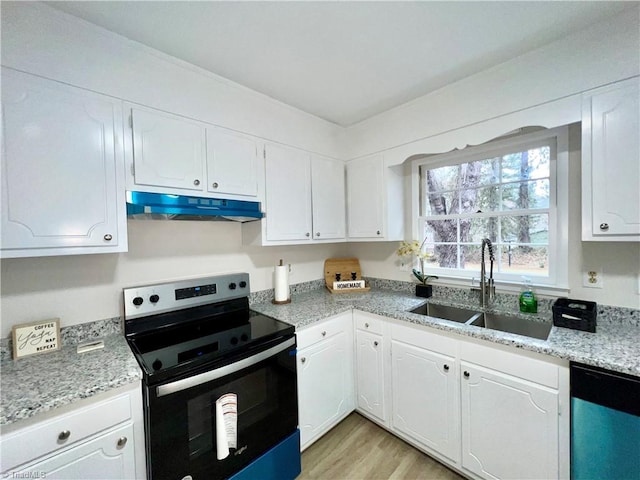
[528, 301]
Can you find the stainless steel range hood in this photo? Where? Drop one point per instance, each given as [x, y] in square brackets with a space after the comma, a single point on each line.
[162, 206]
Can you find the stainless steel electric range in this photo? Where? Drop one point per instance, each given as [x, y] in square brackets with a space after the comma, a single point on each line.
[219, 383]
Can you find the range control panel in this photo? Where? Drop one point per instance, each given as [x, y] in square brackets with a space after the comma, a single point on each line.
[166, 297]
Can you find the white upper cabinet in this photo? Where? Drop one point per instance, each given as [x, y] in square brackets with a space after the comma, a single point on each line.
[611, 163]
[168, 151]
[62, 169]
[173, 154]
[231, 163]
[288, 194]
[304, 199]
[374, 200]
[328, 201]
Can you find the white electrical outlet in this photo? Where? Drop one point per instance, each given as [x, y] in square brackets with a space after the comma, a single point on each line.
[404, 266]
[592, 277]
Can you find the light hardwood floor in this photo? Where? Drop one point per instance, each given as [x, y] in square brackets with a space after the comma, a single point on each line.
[359, 449]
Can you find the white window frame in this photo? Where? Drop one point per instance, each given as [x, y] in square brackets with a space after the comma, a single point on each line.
[557, 281]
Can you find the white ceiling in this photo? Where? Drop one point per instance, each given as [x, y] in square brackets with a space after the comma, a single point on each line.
[343, 61]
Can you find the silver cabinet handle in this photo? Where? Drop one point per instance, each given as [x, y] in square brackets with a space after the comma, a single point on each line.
[303, 359]
[307, 234]
[214, 184]
[108, 237]
[375, 344]
[378, 232]
[324, 334]
[196, 182]
[63, 435]
[446, 368]
[366, 325]
[122, 441]
[466, 374]
[604, 226]
[317, 234]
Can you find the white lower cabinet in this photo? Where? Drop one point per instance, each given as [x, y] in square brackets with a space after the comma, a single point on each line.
[101, 437]
[509, 425]
[425, 400]
[325, 376]
[371, 352]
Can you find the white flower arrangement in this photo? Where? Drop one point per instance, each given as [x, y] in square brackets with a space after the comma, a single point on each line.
[415, 249]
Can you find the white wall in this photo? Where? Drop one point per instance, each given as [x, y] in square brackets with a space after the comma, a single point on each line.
[601, 54]
[84, 288]
[620, 261]
[41, 40]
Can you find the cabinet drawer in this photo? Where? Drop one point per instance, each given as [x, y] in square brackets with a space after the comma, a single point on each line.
[29, 443]
[321, 330]
[368, 323]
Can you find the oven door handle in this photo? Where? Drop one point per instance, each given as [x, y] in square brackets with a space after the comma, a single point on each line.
[205, 377]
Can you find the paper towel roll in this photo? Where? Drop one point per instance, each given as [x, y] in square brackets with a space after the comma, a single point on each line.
[281, 283]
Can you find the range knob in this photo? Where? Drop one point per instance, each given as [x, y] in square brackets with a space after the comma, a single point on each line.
[244, 337]
[157, 364]
[243, 284]
[232, 286]
[154, 298]
[234, 340]
[138, 301]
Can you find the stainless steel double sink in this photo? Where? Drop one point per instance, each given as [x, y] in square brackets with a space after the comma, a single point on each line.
[492, 321]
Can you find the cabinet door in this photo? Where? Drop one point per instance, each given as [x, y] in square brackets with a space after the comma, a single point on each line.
[509, 426]
[370, 373]
[62, 168]
[168, 151]
[612, 147]
[231, 163]
[425, 397]
[107, 456]
[365, 198]
[288, 194]
[327, 187]
[325, 385]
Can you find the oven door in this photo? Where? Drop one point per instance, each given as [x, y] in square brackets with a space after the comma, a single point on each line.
[181, 415]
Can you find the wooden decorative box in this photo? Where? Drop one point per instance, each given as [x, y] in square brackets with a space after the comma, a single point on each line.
[345, 268]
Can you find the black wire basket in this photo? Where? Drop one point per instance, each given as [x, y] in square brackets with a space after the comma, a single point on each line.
[575, 314]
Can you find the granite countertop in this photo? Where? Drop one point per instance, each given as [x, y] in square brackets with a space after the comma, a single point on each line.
[37, 384]
[615, 346]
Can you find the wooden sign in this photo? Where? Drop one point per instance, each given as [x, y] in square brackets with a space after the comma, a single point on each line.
[36, 337]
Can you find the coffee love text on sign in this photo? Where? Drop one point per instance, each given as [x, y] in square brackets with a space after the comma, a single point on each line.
[37, 337]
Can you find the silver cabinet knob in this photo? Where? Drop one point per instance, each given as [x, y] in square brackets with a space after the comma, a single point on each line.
[64, 435]
[604, 226]
[466, 374]
[446, 368]
[375, 344]
[108, 237]
[378, 232]
[303, 359]
[317, 234]
[366, 325]
[324, 334]
[214, 184]
[122, 441]
[196, 182]
[307, 234]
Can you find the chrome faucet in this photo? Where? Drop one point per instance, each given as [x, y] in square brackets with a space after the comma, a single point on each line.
[487, 288]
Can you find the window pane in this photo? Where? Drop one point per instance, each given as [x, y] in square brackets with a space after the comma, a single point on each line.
[487, 171]
[441, 231]
[479, 228]
[470, 257]
[487, 199]
[526, 165]
[524, 259]
[443, 256]
[525, 229]
[440, 203]
[534, 194]
[440, 179]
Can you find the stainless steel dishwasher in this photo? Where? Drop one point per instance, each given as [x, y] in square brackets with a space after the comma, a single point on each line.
[605, 424]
